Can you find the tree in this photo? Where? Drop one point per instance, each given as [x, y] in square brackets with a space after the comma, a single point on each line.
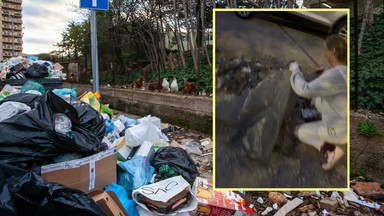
[367, 20]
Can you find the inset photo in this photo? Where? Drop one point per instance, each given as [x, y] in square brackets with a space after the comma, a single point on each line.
[281, 114]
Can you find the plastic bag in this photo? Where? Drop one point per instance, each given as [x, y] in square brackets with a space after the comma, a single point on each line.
[65, 91]
[33, 85]
[109, 126]
[91, 99]
[26, 193]
[137, 134]
[25, 98]
[88, 117]
[15, 70]
[193, 147]
[178, 160]
[127, 121]
[121, 193]
[16, 60]
[254, 127]
[7, 90]
[67, 157]
[10, 109]
[34, 141]
[36, 71]
[138, 172]
[107, 110]
[162, 143]
[161, 135]
[63, 124]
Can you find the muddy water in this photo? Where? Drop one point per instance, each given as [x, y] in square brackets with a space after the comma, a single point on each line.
[248, 54]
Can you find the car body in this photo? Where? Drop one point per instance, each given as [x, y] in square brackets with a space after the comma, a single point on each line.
[329, 22]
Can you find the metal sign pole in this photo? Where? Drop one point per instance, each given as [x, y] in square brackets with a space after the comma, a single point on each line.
[95, 62]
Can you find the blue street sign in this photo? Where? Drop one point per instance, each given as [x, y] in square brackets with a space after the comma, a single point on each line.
[94, 4]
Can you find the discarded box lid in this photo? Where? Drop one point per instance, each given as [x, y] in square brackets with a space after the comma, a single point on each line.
[58, 66]
[86, 174]
[109, 202]
[217, 202]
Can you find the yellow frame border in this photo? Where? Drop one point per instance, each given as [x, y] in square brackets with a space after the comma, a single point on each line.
[214, 103]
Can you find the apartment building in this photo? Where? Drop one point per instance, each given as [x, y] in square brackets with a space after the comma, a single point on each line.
[11, 11]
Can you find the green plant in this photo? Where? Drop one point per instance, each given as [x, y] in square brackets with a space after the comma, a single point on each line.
[368, 129]
[362, 177]
[370, 73]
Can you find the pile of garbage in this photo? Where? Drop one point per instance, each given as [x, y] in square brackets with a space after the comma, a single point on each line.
[67, 147]
[26, 68]
[363, 198]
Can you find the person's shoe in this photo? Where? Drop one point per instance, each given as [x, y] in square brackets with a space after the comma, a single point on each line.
[332, 158]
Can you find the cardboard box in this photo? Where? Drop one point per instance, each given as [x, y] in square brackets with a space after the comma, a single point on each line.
[217, 203]
[146, 150]
[86, 174]
[123, 150]
[58, 66]
[109, 202]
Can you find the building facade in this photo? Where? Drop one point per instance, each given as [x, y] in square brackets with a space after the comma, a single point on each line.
[11, 11]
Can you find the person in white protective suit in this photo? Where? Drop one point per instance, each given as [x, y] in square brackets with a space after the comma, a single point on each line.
[329, 94]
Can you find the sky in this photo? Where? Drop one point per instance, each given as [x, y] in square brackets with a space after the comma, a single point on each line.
[44, 21]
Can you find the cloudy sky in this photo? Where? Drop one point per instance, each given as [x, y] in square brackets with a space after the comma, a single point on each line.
[44, 21]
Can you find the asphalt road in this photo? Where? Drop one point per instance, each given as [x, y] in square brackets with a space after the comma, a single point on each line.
[291, 164]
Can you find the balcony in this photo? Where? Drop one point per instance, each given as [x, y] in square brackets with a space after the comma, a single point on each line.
[15, 28]
[9, 41]
[11, 7]
[13, 1]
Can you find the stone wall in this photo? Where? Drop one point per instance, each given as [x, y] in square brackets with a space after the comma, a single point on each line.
[367, 154]
[182, 110]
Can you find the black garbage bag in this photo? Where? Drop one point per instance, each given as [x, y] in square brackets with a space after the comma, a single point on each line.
[26, 193]
[255, 116]
[178, 159]
[36, 71]
[32, 138]
[88, 117]
[16, 69]
[27, 98]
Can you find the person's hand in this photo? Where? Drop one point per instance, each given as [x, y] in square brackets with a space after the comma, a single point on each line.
[293, 66]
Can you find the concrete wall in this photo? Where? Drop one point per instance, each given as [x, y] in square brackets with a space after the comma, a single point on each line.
[187, 111]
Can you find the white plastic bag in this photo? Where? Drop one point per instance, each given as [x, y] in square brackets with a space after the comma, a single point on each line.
[156, 121]
[9, 109]
[137, 134]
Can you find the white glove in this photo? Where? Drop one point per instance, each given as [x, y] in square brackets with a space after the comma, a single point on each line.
[293, 66]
